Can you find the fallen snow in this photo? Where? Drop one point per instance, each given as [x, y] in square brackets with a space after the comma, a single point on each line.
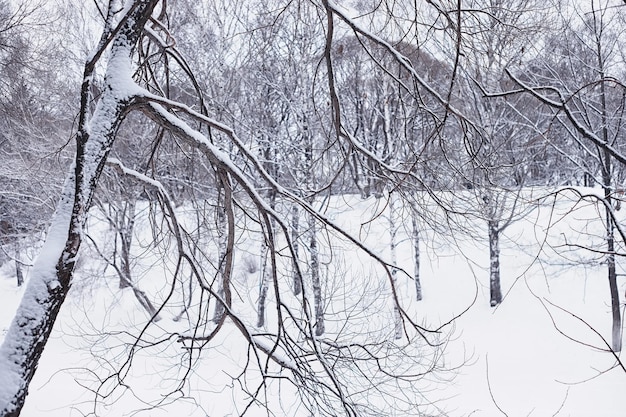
[514, 356]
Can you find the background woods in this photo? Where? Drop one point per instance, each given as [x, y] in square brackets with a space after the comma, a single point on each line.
[275, 180]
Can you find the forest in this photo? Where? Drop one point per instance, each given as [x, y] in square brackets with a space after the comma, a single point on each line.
[272, 179]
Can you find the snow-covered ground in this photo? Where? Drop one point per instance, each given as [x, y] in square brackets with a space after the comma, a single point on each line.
[537, 354]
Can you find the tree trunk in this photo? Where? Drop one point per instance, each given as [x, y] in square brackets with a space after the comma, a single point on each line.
[394, 272]
[266, 271]
[295, 226]
[122, 220]
[607, 179]
[125, 226]
[494, 263]
[315, 278]
[51, 277]
[44, 295]
[221, 225]
[415, 238]
[263, 286]
[18, 265]
[616, 333]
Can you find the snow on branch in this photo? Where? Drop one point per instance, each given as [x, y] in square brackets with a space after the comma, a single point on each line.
[561, 104]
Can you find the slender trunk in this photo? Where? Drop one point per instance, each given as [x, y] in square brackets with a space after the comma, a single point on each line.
[415, 238]
[315, 278]
[295, 226]
[607, 174]
[394, 272]
[18, 265]
[269, 154]
[266, 270]
[616, 333]
[125, 226]
[494, 264]
[263, 286]
[221, 253]
[314, 264]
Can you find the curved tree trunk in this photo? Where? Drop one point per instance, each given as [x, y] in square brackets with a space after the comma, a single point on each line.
[51, 277]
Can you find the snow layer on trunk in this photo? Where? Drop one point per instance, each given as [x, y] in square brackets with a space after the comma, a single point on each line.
[32, 309]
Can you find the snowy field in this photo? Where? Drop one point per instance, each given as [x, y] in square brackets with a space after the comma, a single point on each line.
[537, 354]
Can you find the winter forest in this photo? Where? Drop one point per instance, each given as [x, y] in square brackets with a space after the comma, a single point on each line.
[312, 208]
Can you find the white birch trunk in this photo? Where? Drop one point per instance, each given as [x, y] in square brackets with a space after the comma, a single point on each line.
[125, 224]
[263, 285]
[318, 300]
[494, 263]
[398, 331]
[415, 239]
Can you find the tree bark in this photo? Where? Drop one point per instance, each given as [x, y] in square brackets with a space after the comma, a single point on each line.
[318, 299]
[607, 180]
[263, 286]
[397, 318]
[266, 271]
[222, 249]
[494, 263]
[616, 333]
[51, 277]
[295, 231]
[415, 238]
[18, 265]
[125, 225]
